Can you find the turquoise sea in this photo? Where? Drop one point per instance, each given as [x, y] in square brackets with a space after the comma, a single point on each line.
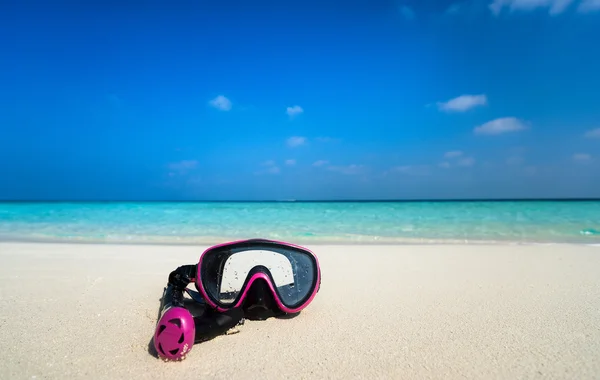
[304, 222]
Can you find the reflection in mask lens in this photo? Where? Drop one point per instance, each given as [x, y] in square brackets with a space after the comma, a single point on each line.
[292, 273]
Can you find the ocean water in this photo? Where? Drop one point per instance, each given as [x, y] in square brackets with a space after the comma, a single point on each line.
[304, 222]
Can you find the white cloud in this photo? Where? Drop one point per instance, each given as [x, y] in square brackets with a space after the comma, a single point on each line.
[555, 7]
[593, 134]
[294, 111]
[407, 12]
[453, 154]
[463, 103]
[348, 169]
[221, 103]
[182, 166]
[444, 165]
[587, 6]
[582, 157]
[295, 141]
[499, 126]
[320, 163]
[290, 162]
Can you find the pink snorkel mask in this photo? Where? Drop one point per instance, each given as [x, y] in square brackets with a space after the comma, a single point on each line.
[253, 279]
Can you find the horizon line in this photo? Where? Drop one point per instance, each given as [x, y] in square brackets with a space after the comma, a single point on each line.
[549, 199]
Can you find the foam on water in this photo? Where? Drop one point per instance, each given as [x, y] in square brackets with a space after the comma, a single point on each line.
[521, 222]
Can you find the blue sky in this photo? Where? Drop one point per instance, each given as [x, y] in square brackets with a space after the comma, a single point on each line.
[191, 99]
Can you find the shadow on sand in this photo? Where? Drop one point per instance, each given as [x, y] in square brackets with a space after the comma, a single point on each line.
[210, 324]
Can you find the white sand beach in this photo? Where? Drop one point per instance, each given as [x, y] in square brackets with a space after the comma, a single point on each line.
[387, 312]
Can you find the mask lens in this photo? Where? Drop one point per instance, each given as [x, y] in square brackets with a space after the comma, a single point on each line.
[225, 272]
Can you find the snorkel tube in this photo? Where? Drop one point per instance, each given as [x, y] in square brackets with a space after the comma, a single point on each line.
[178, 329]
[175, 331]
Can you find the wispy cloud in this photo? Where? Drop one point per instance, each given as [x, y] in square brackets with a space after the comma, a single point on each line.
[453, 154]
[587, 6]
[456, 158]
[290, 162]
[183, 174]
[294, 111]
[270, 167]
[407, 12]
[347, 169]
[500, 126]
[353, 169]
[411, 170]
[463, 103]
[555, 7]
[453, 9]
[582, 157]
[182, 166]
[221, 103]
[467, 161]
[295, 141]
[593, 134]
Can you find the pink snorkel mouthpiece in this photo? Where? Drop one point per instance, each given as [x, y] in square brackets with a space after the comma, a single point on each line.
[175, 331]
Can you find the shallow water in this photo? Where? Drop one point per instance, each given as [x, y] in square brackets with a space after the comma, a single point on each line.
[305, 222]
